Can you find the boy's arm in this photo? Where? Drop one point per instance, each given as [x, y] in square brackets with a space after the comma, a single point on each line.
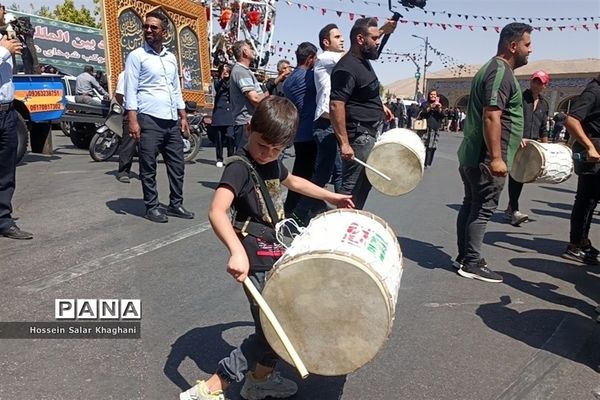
[238, 265]
[307, 188]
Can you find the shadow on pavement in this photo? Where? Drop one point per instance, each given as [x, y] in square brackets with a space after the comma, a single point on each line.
[558, 214]
[209, 184]
[206, 347]
[568, 335]
[558, 189]
[127, 206]
[32, 157]
[526, 241]
[425, 254]
[559, 206]
[581, 277]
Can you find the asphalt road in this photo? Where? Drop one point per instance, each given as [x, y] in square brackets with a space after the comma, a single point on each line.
[531, 337]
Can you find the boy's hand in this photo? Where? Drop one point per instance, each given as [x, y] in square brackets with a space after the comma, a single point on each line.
[238, 266]
[340, 200]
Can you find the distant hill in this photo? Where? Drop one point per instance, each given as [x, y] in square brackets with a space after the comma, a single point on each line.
[406, 87]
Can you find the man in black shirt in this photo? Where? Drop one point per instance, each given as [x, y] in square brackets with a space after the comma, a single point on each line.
[535, 113]
[356, 110]
[583, 123]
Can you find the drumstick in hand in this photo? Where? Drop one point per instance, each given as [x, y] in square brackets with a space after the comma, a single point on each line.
[378, 172]
[277, 327]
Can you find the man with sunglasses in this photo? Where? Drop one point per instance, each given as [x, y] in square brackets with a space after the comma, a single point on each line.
[154, 101]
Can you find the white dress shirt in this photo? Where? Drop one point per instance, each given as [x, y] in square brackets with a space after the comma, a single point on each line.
[7, 87]
[323, 67]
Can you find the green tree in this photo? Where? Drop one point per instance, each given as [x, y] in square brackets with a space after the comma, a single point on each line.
[69, 13]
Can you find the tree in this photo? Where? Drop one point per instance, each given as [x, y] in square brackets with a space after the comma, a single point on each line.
[68, 13]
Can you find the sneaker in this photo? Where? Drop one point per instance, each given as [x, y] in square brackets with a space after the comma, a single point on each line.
[123, 177]
[457, 263]
[200, 392]
[579, 254]
[219, 164]
[518, 218]
[273, 385]
[480, 272]
[590, 249]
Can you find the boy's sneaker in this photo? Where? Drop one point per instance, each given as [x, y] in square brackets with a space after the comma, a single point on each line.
[273, 385]
[200, 392]
[480, 272]
[219, 164]
[518, 218]
[582, 255]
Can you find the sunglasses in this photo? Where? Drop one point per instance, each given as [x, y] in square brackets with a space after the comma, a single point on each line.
[153, 28]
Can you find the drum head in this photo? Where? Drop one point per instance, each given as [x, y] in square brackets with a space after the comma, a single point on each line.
[335, 312]
[528, 163]
[398, 162]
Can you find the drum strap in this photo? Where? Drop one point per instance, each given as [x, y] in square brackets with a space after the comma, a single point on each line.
[262, 229]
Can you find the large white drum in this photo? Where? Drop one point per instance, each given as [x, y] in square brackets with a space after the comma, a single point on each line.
[542, 163]
[400, 154]
[334, 291]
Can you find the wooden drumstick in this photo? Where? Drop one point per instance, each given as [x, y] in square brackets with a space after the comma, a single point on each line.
[277, 327]
[378, 172]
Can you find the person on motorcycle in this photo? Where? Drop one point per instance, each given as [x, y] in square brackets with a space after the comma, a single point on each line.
[85, 85]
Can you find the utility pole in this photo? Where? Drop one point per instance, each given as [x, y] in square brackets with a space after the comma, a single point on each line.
[425, 63]
[417, 74]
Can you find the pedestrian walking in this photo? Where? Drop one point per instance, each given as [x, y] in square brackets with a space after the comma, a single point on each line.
[221, 128]
[535, 113]
[492, 135]
[128, 145]
[431, 111]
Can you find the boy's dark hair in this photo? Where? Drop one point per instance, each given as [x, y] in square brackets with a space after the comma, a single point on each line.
[512, 32]
[325, 33]
[305, 50]
[238, 47]
[276, 119]
[361, 27]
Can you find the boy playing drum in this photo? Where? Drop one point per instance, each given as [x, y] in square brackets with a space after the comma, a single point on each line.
[251, 186]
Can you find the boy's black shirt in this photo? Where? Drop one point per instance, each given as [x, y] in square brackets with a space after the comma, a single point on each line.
[236, 177]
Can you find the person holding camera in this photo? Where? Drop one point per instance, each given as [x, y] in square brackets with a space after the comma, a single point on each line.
[8, 140]
[431, 111]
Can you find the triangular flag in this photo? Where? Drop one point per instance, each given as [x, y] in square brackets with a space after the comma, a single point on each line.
[339, 13]
[497, 29]
[351, 15]
[323, 11]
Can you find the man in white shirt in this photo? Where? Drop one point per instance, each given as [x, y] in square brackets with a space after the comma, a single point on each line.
[328, 159]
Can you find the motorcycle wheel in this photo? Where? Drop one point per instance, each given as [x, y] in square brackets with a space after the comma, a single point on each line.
[191, 151]
[103, 146]
[81, 134]
[65, 127]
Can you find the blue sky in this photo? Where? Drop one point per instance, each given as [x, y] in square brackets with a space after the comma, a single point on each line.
[294, 25]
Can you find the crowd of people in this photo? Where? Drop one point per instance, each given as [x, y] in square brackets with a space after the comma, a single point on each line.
[329, 108]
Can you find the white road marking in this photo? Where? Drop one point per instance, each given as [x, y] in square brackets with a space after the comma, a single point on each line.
[468, 303]
[87, 267]
[72, 172]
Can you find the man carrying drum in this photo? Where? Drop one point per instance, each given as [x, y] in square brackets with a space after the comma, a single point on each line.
[356, 110]
[535, 113]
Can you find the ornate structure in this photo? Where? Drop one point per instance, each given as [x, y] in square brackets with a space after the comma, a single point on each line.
[186, 38]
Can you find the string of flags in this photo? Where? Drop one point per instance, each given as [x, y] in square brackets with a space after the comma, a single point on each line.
[591, 22]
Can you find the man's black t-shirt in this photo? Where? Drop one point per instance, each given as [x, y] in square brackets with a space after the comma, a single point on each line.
[236, 176]
[586, 109]
[354, 82]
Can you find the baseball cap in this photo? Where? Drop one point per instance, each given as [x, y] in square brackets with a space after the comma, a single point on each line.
[542, 76]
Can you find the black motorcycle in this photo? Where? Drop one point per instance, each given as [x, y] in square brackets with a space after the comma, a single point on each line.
[107, 139]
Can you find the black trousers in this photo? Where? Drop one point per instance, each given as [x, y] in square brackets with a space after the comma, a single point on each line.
[161, 136]
[126, 148]
[586, 200]
[8, 165]
[514, 192]
[304, 165]
[224, 137]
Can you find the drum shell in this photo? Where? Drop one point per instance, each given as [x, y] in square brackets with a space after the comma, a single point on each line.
[335, 291]
[400, 154]
[542, 163]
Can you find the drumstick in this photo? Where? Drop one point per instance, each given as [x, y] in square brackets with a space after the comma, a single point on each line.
[378, 172]
[277, 327]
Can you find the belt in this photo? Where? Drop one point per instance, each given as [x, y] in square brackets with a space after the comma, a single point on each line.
[6, 106]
